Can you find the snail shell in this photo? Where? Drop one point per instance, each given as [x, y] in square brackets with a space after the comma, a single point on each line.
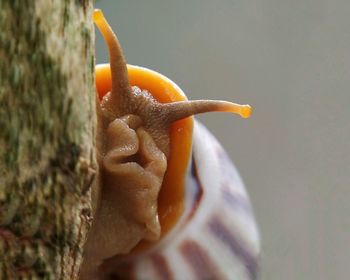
[216, 237]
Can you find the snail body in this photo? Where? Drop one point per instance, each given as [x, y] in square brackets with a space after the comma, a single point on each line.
[156, 204]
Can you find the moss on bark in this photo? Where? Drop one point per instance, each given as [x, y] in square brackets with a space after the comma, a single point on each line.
[47, 123]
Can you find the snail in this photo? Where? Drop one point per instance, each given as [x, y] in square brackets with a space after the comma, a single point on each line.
[167, 206]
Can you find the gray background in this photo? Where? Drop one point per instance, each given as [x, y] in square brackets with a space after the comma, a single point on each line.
[289, 59]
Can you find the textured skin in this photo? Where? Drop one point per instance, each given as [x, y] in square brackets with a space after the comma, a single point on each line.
[132, 171]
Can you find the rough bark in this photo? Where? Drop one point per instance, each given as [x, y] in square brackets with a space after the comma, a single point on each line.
[47, 124]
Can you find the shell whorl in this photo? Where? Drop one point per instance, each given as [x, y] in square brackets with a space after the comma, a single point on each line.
[217, 237]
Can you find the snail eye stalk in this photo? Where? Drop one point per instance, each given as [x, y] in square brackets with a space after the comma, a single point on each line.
[179, 110]
[120, 82]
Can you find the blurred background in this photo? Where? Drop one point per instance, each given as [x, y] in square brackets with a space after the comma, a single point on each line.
[290, 60]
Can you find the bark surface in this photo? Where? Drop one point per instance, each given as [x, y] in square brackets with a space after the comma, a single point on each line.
[47, 127]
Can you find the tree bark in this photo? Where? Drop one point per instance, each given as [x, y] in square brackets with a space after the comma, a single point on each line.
[47, 127]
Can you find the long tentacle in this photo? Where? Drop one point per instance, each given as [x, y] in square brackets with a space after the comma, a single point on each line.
[120, 81]
[179, 110]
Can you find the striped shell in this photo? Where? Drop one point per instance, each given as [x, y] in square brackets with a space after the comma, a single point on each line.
[216, 238]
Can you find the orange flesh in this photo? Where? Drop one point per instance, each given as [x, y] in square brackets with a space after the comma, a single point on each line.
[171, 196]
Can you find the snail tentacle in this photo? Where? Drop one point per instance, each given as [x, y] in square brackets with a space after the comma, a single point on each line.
[182, 109]
[120, 86]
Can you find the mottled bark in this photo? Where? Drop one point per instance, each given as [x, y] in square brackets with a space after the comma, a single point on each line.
[47, 124]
